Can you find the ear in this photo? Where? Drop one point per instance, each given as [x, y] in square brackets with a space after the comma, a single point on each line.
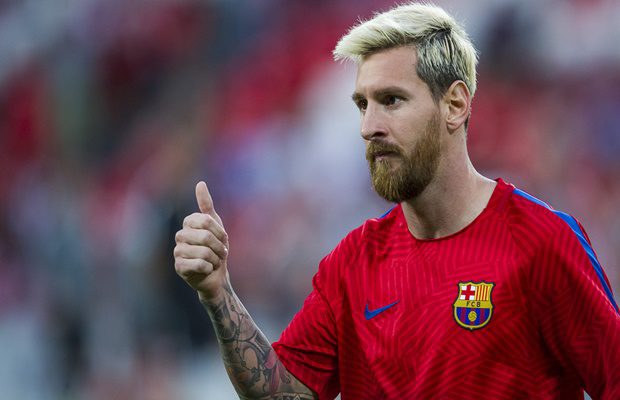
[457, 100]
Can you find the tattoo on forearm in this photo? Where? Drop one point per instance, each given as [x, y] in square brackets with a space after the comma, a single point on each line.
[251, 363]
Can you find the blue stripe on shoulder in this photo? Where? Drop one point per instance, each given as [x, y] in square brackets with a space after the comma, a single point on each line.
[387, 212]
[572, 223]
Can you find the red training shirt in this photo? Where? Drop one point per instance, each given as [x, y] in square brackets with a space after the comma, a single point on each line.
[514, 306]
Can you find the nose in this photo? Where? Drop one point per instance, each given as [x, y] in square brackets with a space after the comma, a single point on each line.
[373, 123]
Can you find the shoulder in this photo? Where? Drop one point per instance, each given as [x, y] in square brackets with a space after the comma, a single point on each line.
[374, 235]
[383, 228]
[555, 241]
[534, 224]
[562, 254]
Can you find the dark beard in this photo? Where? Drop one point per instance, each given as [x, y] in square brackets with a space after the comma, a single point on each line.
[403, 177]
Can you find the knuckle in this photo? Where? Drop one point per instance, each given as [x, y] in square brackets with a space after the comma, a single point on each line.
[207, 221]
[178, 237]
[201, 218]
[221, 250]
[179, 250]
[198, 265]
[207, 254]
[206, 267]
[211, 223]
[206, 236]
[191, 218]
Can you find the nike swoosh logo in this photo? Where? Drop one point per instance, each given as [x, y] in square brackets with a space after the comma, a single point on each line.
[371, 314]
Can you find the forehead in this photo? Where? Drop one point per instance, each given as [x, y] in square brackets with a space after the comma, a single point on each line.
[390, 67]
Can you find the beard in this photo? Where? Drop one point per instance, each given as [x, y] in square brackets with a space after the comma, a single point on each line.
[403, 176]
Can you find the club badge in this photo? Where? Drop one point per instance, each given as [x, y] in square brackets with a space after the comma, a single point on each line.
[473, 307]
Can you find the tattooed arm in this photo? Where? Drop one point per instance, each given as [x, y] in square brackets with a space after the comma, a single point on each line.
[251, 363]
[201, 255]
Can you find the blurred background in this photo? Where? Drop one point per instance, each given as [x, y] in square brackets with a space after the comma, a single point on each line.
[111, 110]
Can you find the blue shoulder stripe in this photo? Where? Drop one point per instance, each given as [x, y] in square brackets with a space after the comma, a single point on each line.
[572, 223]
[387, 212]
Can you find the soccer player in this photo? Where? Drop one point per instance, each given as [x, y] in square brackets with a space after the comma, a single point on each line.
[467, 288]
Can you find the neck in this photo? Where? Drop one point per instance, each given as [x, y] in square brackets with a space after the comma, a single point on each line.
[449, 203]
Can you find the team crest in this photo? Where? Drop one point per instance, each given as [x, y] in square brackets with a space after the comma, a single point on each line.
[473, 307]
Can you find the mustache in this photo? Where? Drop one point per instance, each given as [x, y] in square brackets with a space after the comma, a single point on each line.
[375, 149]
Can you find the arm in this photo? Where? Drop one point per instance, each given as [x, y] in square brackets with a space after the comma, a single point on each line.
[201, 256]
[251, 363]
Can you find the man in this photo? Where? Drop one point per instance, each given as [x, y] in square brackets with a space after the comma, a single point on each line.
[468, 288]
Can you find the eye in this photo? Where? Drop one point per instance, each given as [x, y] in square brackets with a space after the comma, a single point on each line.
[391, 100]
[362, 104]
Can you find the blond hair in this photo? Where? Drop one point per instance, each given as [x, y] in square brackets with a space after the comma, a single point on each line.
[445, 52]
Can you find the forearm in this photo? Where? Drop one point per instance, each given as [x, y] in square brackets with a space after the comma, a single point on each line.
[252, 365]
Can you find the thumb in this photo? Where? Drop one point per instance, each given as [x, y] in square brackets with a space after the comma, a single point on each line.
[205, 203]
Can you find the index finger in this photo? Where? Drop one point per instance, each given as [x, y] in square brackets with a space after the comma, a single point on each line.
[207, 222]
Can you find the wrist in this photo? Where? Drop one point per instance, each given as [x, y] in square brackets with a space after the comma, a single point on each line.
[215, 295]
[209, 298]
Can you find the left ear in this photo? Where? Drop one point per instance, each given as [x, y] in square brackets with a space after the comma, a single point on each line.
[457, 100]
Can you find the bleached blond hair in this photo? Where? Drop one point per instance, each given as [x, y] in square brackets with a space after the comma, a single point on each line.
[445, 52]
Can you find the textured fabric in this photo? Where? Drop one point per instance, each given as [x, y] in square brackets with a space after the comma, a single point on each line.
[511, 307]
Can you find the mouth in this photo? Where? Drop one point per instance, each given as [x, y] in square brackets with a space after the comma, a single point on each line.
[381, 155]
[381, 152]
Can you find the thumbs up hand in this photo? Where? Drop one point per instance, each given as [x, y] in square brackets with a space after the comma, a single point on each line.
[201, 251]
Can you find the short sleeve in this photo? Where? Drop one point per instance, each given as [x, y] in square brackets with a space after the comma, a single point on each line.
[308, 346]
[576, 312]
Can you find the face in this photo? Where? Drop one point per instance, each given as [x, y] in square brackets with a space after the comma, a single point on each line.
[400, 124]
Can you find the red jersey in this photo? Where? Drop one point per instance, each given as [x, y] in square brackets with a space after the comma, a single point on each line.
[514, 306]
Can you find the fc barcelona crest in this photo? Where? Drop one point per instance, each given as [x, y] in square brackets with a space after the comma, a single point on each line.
[473, 307]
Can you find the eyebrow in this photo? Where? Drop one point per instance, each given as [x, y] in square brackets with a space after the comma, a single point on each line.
[390, 90]
[356, 97]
